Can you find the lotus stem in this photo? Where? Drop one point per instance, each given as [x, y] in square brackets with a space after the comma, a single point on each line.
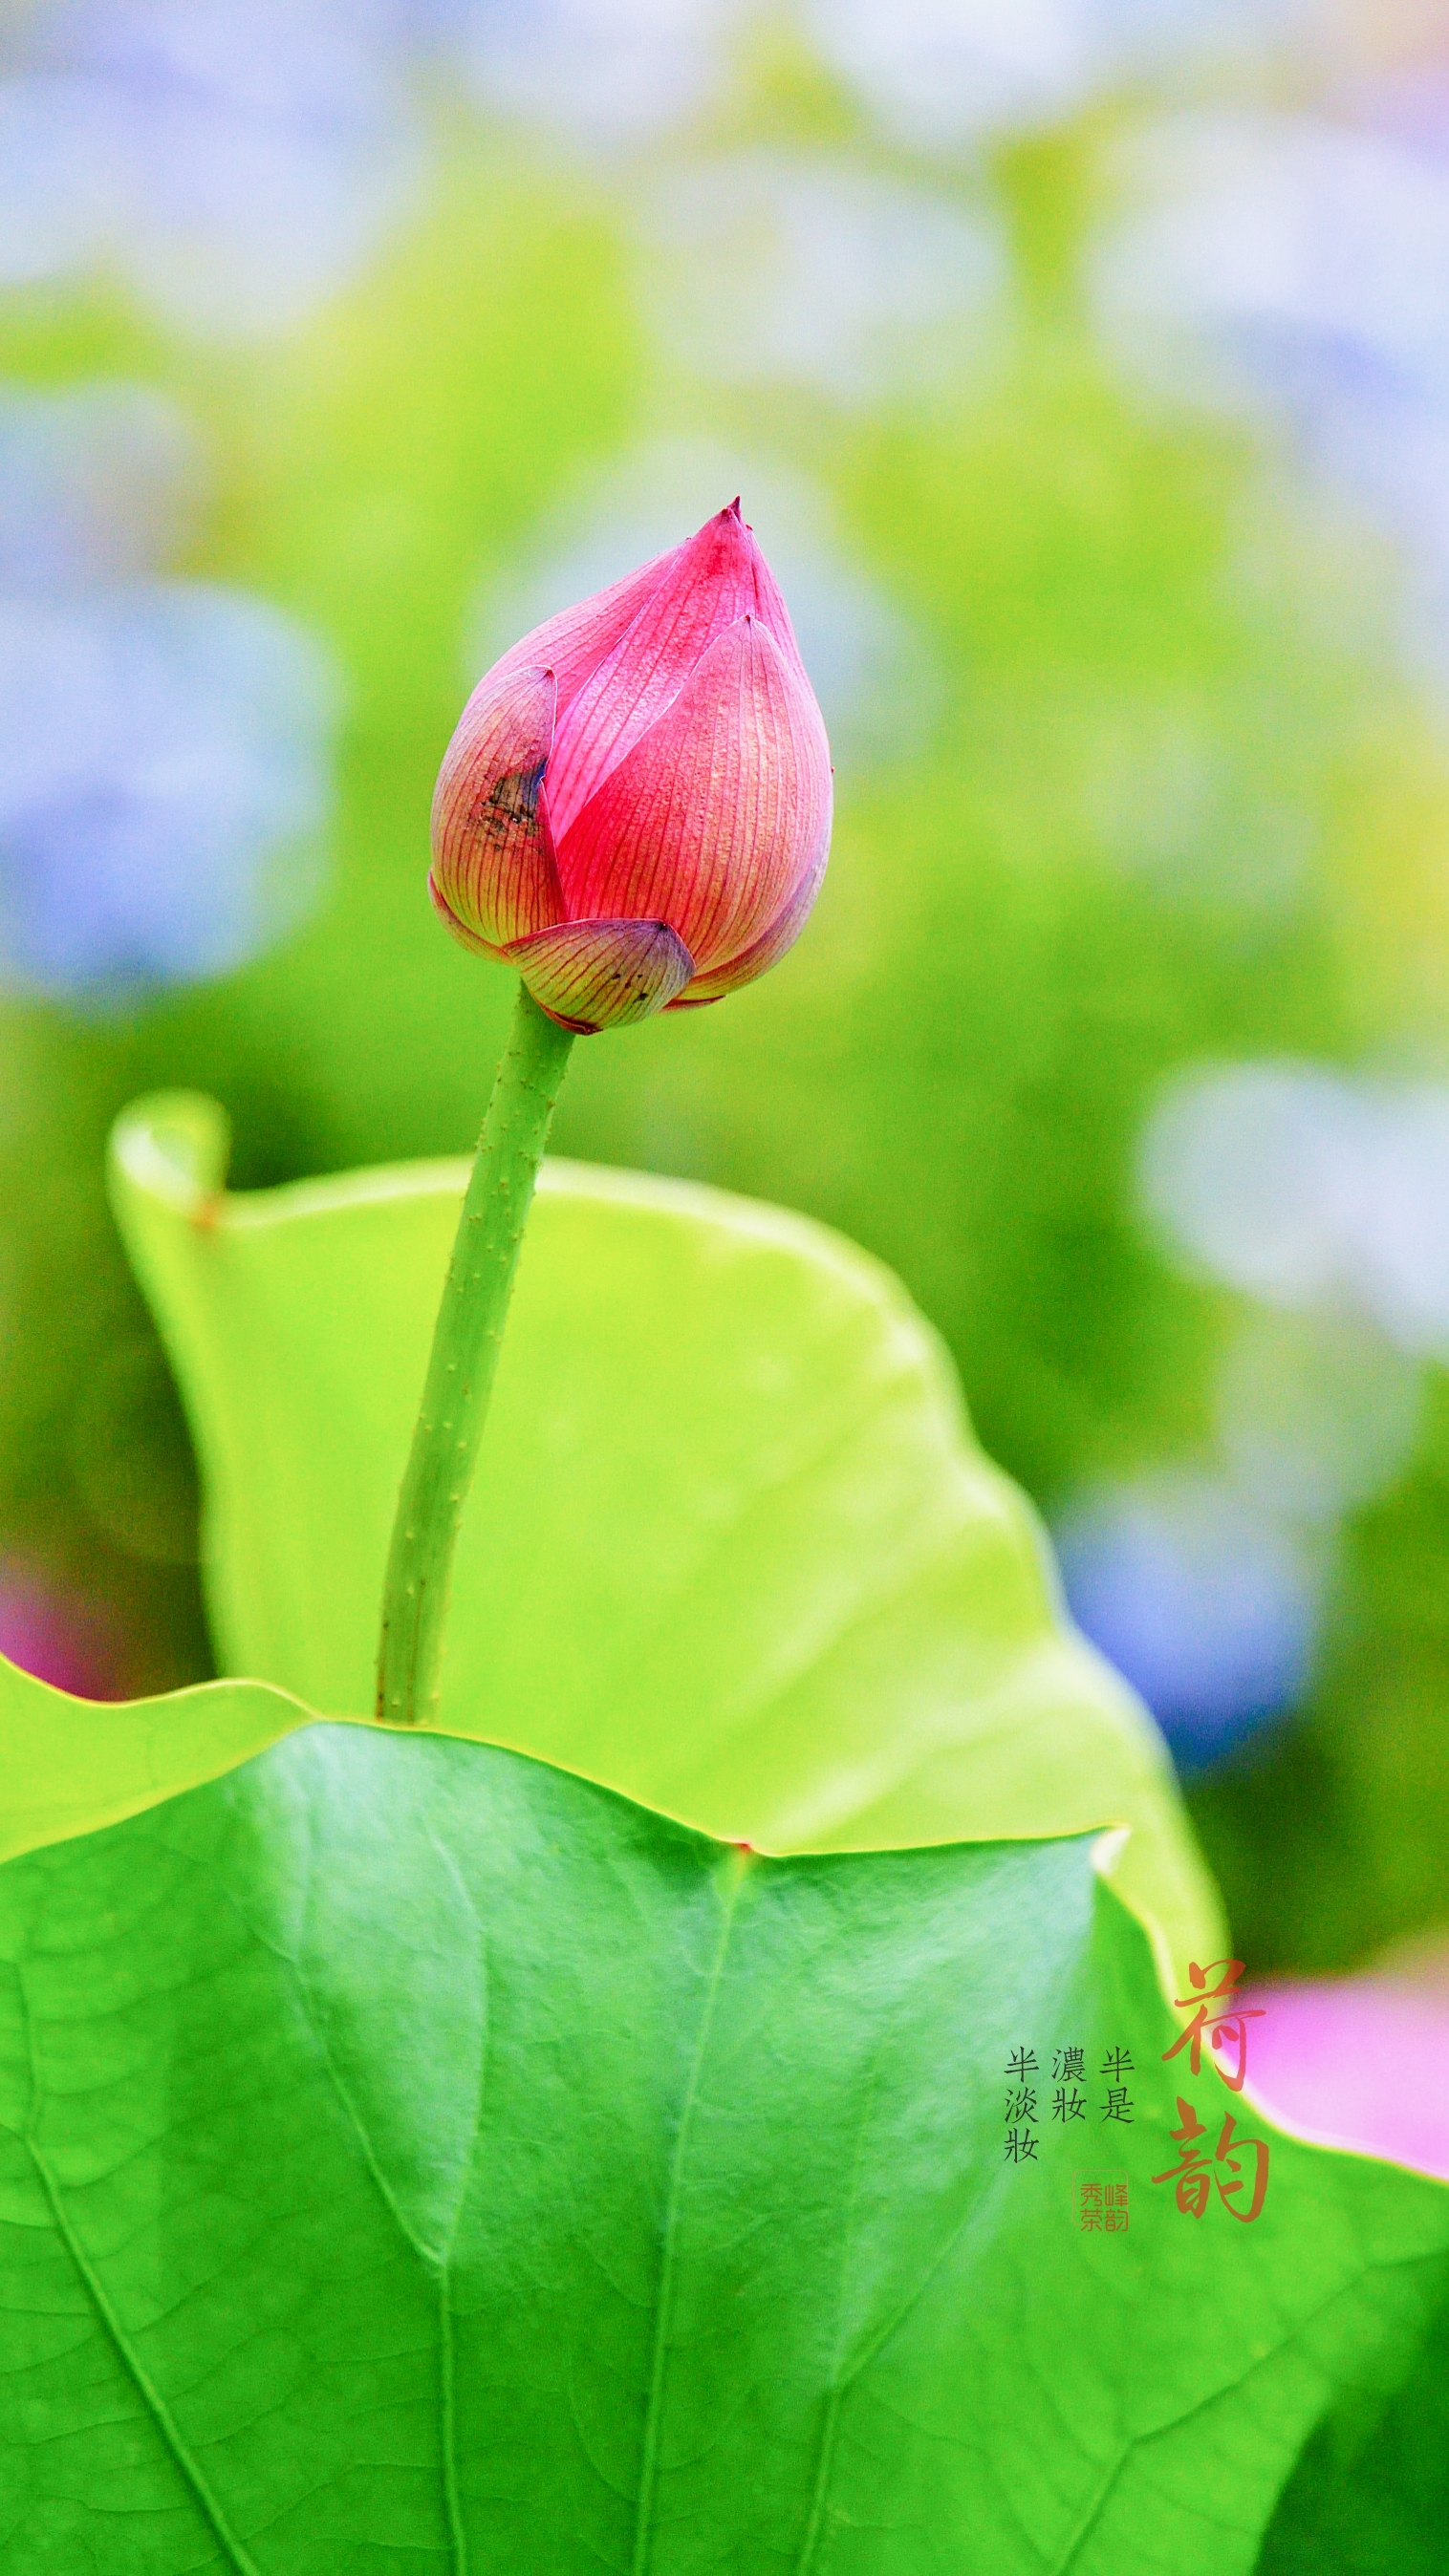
[464, 1361]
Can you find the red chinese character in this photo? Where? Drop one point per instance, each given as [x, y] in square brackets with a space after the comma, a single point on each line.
[1198, 1977]
[1191, 2175]
[1231, 2025]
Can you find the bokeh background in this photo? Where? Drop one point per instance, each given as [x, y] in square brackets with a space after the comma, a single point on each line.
[1084, 366]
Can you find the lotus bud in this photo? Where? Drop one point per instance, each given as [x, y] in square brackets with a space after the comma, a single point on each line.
[635, 808]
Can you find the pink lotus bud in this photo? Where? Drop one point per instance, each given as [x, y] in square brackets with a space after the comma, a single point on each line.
[635, 808]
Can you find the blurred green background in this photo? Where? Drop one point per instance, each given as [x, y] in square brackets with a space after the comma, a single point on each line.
[1118, 580]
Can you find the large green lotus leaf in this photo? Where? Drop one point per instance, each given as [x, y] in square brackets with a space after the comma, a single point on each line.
[731, 1548]
[413, 2157]
[1370, 2494]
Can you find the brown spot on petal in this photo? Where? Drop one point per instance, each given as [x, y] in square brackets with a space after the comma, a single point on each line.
[493, 872]
[513, 799]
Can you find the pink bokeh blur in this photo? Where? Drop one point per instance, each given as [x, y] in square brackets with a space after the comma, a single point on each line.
[1359, 2062]
[66, 1640]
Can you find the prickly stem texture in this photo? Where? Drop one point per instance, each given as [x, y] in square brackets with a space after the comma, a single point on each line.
[466, 1342]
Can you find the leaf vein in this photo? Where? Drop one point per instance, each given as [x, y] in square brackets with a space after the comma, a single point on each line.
[130, 2361]
[664, 2301]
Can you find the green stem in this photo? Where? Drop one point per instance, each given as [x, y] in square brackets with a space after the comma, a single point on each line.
[466, 1342]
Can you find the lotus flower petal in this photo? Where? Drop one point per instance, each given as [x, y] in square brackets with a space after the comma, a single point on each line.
[577, 640]
[593, 975]
[714, 815]
[719, 577]
[493, 876]
[767, 950]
